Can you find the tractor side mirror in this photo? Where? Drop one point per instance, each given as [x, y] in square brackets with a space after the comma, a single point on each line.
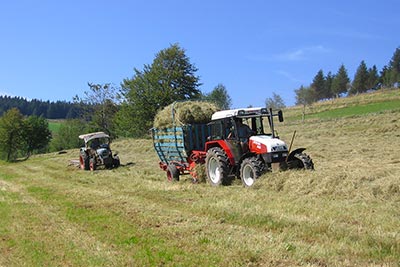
[280, 116]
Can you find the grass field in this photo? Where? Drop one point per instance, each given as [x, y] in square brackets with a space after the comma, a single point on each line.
[54, 125]
[345, 213]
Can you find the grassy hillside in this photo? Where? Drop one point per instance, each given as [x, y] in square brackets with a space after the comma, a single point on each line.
[345, 213]
[54, 125]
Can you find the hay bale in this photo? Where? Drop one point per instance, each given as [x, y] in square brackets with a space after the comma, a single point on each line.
[188, 112]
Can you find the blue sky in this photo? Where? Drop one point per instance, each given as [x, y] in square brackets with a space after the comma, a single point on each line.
[50, 50]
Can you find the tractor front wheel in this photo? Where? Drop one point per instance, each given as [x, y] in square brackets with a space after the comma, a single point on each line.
[172, 173]
[301, 161]
[92, 164]
[217, 166]
[250, 170]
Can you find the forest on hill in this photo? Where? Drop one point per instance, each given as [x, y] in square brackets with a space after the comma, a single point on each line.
[40, 108]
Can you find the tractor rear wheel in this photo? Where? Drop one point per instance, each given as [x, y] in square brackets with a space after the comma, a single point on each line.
[84, 162]
[217, 166]
[250, 170]
[172, 173]
[302, 161]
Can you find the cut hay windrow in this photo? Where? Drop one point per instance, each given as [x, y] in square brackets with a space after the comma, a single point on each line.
[182, 113]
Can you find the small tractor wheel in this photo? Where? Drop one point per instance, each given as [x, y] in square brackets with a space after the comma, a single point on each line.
[84, 162]
[250, 170]
[116, 162]
[217, 166]
[302, 161]
[172, 173]
[92, 164]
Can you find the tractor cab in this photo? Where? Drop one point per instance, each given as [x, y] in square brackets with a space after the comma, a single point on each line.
[97, 152]
[242, 129]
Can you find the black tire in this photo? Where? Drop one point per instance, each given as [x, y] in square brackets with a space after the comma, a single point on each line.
[250, 171]
[302, 161]
[172, 173]
[84, 162]
[92, 164]
[217, 166]
[116, 162]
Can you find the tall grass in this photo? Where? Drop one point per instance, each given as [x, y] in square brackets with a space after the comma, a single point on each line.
[345, 213]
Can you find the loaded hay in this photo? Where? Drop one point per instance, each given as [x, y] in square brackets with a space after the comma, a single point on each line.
[181, 113]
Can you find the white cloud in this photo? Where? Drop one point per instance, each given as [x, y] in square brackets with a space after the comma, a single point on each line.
[302, 53]
[289, 76]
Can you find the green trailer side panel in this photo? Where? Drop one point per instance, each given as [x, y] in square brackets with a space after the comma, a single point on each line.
[175, 144]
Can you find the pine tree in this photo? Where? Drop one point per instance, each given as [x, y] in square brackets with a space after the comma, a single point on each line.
[373, 78]
[318, 85]
[340, 82]
[394, 67]
[360, 82]
[219, 95]
[328, 86]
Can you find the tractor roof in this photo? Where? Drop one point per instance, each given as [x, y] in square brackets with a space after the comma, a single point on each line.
[90, 136]
[241, 112]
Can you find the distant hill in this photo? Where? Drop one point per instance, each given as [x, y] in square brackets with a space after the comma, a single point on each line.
[357, 105]
[46, 109]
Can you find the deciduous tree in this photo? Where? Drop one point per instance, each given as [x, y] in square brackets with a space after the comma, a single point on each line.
[305, 96]
[11, 139]
[275, 102]
[99, 107]
[36, 134]
[169, 78]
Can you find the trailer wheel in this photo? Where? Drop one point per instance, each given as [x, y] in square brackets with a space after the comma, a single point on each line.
[92, 164]
[250, 170]
[172, 173]
[84, 162]
[302, 161]
[217, 166]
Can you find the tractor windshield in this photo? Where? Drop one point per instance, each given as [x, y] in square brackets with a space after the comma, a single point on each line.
[256, 124]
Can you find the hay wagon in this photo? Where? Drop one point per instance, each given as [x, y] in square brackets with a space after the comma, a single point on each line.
[179, 140]
[180, 148]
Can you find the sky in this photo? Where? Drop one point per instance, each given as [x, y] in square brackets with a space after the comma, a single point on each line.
[51, 50]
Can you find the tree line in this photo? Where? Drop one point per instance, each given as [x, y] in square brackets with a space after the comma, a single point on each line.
[45, 109]
[339, 84]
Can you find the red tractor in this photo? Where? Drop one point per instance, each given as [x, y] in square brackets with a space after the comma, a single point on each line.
[238, 146]
[232, 144]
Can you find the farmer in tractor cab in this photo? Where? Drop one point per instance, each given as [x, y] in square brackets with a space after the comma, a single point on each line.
[95, 144]
[244, 130]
